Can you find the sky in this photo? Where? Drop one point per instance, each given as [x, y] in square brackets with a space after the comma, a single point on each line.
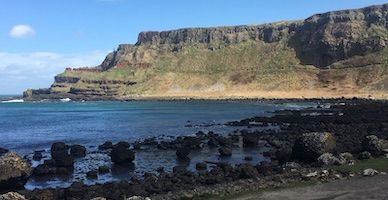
[40, 38]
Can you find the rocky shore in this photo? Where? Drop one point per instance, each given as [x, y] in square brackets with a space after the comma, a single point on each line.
[301, 146]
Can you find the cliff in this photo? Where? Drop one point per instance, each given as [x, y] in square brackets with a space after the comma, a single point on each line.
[340, 53]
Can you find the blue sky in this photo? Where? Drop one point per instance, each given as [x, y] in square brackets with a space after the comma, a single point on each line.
[39, 38]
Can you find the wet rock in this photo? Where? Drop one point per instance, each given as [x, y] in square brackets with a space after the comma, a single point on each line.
[103, 169]
[310, 146]
[250, 140]
[122, 144]
[107, 145]
[225, 151]
[12, 196]
[328, 159]
[78, 151]
[92, 174]
[183, 153]
[369, 172]
[180, 169]
[248, 158]
[61, 156]
[374, 145]
[201, 166]
[248, 171]
[364, 155]
[3, 151]
[37, 156]
[14, 171]
[284, 154]
[121, 154]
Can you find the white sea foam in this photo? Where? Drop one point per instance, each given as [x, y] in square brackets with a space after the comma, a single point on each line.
[13, 101]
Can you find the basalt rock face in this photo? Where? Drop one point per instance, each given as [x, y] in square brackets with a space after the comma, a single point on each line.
[335, 53]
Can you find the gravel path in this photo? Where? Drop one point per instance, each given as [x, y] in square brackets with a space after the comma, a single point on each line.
[361, 188]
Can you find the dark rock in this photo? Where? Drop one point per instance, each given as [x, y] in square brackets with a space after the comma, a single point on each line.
[77, 151]
[14, 171]
[248, 158]
[183, 153]
[58, 149]
[374, 145]
[250, 140]
[248, 171]
[364, 155]
[3, 151]
[180, 169]
[122, 144]
[103, 169]
[121, 154]
[201, 166]
[37, 156]
[92, 174]
[284, 154]
[107, 145]
[225, 151]
[311, 145]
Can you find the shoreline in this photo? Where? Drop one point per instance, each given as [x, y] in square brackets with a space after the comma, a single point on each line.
[349, 123]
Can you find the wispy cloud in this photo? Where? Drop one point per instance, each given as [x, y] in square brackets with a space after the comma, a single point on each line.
[19, 71]
[21, 31]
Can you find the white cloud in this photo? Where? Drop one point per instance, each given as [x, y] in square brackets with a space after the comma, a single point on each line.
[19, 71]
[21, 31]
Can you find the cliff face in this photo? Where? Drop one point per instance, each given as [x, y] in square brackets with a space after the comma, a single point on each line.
[330, 54]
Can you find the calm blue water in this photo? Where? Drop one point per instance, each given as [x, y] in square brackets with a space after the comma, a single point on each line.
[25, 127]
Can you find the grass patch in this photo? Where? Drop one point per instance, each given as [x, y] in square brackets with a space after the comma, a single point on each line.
[379, 164]
[228, 196]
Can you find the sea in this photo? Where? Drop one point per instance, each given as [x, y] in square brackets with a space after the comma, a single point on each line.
[26, 127]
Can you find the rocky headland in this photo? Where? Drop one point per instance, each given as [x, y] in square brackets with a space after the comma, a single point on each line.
[333, 54]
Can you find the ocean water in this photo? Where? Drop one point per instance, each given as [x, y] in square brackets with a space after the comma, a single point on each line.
[29, 126]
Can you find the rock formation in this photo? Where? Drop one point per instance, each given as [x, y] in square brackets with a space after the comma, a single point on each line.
[330, 54]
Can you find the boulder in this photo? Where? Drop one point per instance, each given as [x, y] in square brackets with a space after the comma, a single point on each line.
[12, 196]
[248, 171]
[107, 145]
[60, 154]
[14, 171]
[374, 145]
[3, 151]
[78, 151]
[310, 146]
[122, 155]
[364, 155]
[346, 158]
[369, 172]
[183, 153]
[225, 151]
[328, 159]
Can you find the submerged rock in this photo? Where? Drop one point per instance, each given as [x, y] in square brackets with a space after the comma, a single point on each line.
[312, 145]
[106, 145]
[225, 151]
[77, 151]
[183, 153]
[121, 154]
[14, 171]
